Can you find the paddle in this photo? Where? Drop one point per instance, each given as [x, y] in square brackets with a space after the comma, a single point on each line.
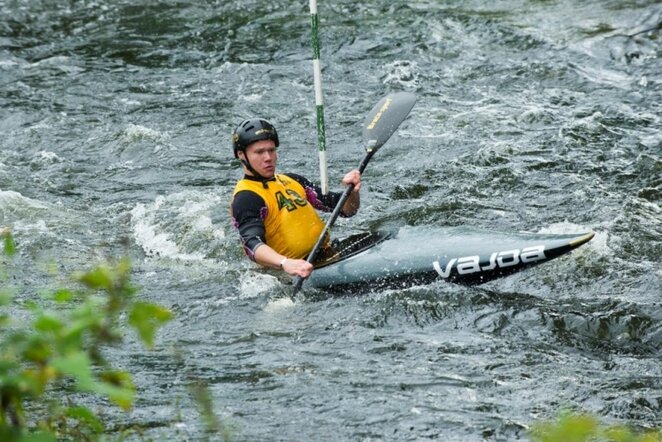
[382, 122]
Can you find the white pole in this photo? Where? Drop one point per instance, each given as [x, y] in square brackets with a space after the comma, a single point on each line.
[319, 100]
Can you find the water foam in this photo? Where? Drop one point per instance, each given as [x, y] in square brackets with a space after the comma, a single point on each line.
[38, 226]
[10, 199]
[252, 284]
[172, 226]
[564, 227]
[135, 132]
[152, 241]
[402, 73]
[279, 305]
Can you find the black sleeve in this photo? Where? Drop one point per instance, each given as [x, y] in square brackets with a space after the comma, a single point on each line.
[325, 203]
[248, 213]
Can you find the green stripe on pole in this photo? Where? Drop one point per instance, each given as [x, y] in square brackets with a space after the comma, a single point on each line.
[321, 136]
[315, 36]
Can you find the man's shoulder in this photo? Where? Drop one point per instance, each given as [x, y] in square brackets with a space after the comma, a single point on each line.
[247, 198]
[285, 177]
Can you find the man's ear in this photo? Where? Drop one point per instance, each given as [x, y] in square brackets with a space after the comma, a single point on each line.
[241, 155]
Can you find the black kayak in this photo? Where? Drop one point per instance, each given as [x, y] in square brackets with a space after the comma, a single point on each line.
[414, 256]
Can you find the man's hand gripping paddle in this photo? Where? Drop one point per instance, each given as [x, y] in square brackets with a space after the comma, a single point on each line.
[382, 122]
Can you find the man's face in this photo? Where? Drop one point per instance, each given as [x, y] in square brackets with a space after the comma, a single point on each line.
[262, 156]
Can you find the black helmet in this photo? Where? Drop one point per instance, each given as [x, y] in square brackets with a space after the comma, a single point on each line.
[250, 131]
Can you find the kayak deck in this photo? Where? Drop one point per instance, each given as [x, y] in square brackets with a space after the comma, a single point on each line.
[350, 246]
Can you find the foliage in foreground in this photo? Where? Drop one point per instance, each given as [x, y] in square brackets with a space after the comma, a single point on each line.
[62, 351]
[586, 428]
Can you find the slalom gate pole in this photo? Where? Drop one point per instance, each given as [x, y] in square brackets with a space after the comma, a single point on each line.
[319, 100]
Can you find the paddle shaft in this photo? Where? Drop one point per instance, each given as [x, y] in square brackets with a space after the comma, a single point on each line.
[382, 121]
[298, 282]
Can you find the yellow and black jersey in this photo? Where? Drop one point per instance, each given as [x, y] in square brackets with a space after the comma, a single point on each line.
[280, 213]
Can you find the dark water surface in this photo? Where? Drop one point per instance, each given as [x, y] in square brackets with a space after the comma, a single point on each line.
[538, 116]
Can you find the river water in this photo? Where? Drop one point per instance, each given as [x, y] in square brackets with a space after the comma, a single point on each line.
[539, 116]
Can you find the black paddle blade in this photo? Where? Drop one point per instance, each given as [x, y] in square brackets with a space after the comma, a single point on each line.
[384, 119]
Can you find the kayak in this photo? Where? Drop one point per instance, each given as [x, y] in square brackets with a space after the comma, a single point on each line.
[419, 255]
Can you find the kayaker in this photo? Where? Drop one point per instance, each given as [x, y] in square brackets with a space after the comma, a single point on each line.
[275, 213]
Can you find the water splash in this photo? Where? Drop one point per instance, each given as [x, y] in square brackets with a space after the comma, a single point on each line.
[177, 226]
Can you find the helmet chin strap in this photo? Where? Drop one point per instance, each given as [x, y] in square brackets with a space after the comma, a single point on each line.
[248, 166]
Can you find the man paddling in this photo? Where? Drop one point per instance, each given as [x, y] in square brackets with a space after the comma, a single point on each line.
[275, 213]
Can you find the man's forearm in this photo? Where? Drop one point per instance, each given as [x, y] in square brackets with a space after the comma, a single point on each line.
[268, 257]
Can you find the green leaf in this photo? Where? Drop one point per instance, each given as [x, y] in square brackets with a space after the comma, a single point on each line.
[77, 365]
[37, 349]
[123, 268]
[47, 322]
[98, 278]
[119, 388]
[568, 428]
[63, 295]
[9, 244]
[86, 416]
[40, 436]
[5, 297]
[87, 318]
[146, 318]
